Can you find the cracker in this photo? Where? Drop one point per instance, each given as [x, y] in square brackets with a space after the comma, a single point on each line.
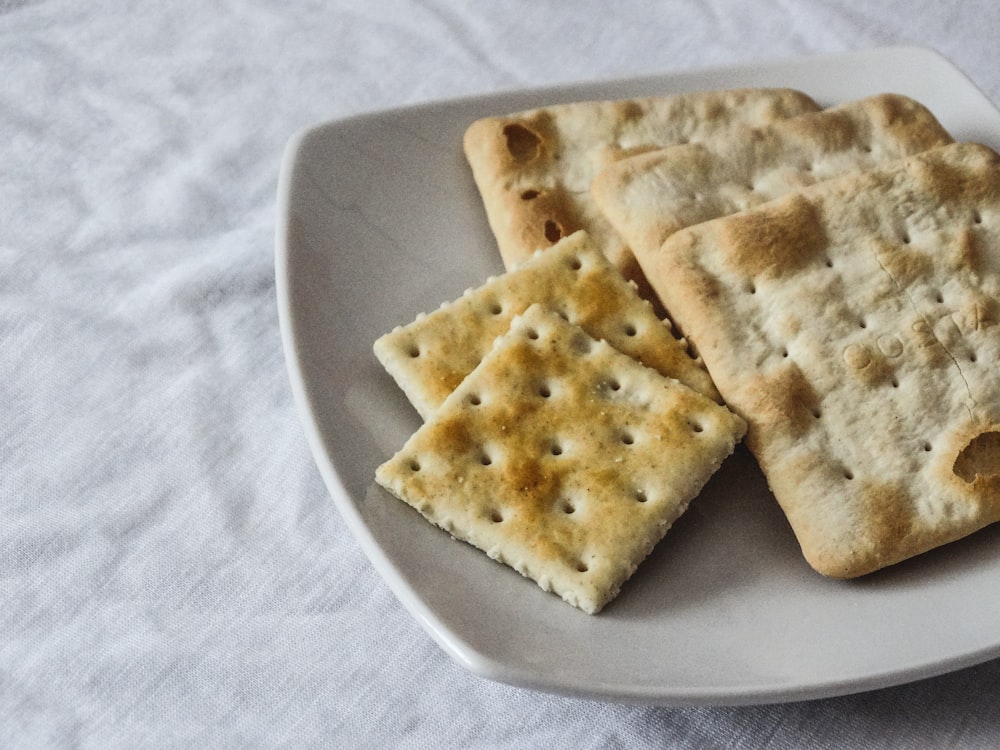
[854, 325]
[562, 458]
[429, 357]
[534, 168]
[648, 197]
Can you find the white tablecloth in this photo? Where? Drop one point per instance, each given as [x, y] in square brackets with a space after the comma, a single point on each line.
[173, 572]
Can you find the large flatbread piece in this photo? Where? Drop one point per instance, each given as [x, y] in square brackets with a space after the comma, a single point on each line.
[855, 325]
[562, 458]
[431, 355]
[650, 196]
[533, 169]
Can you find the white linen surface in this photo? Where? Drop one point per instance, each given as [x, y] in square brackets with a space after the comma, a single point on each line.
[172, 570]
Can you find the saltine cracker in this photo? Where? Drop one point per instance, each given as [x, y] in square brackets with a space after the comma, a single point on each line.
[562, 458]
[430, 356]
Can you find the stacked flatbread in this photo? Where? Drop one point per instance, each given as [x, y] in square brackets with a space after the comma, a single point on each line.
[534, 168]
[647, 198]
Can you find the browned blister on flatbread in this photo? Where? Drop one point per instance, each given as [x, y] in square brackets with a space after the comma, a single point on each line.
[648, 197]
[854, 325]
[562, 457]
[430, 356]
[534, 168]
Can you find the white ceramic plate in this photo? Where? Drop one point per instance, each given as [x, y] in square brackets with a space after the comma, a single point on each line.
[379, 220]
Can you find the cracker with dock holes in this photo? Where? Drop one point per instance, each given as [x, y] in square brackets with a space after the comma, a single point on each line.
[430, 356]
[648, 197]
[855, 325]
[562, 458]
[534, 168]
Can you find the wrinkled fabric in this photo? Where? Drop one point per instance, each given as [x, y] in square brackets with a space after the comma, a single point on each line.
[173, 572]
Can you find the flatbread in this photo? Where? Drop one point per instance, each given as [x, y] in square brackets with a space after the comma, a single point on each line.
[648, 197]
[534, 168]
[562, 458]
[430, 356]
[854, 325]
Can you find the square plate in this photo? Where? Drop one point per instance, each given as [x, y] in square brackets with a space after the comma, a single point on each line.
[378, 220]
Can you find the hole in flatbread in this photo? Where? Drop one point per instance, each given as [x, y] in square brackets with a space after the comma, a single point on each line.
[582, 567]
[414, 465]
[817, 413]
[926, 447]
[575, 264]
[939, 298]
[529, 195]
[895, 383]
[977, 218]
[495, 308]
[532, 334]
[752, 288]
[628, 438]
[614, 385]
[581, 343]
[905, 239]
[848, 474]
[413, 351]
[485, 459]
[567, 507]
[829, 263]
[980, 458]
[555, 449]
[697, 427]
[475, 400]
[973, 357]
[496, 517]
[522, 143]
[784, 353]
[862, 323]
[553, 232]
[640, 496]
[544, 391]
[630, 330]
